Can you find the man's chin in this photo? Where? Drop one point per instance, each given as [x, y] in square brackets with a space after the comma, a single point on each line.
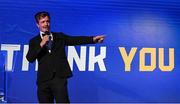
[45, 30]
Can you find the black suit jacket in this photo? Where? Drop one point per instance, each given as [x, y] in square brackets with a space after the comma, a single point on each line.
[56, 60]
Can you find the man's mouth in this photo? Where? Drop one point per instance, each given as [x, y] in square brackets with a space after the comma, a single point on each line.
[46, 28]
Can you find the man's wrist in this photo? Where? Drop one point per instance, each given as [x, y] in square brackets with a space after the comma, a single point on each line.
[94, 39]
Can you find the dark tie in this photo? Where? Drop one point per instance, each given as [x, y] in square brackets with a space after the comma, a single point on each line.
[49, 44]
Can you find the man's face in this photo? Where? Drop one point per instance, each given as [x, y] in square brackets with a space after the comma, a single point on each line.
[44, 24]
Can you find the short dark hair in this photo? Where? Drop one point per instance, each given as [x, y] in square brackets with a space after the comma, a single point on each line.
[40, 15]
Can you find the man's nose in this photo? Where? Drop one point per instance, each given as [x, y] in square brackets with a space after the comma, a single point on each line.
[46, 23]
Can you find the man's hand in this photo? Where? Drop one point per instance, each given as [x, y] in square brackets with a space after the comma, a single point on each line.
[98, 39]
[45, 39]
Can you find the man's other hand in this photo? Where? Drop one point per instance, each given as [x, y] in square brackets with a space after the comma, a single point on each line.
[98, 39]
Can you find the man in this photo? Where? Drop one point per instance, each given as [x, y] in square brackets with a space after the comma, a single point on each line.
[53, 68]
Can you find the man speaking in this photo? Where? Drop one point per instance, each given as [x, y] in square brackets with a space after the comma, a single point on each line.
[53, 69]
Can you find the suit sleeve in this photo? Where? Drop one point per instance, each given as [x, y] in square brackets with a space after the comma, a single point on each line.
[34, 50]
[78, 40]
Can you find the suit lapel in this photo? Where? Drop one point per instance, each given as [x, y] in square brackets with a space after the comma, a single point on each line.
[39, 38]
[54, 42]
